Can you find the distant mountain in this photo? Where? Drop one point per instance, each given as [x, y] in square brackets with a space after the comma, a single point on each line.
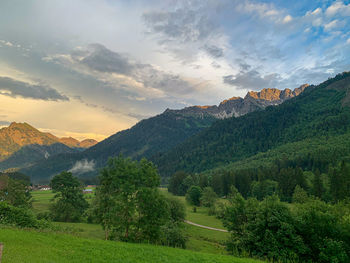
[319, 113]
[87, 143]
[17, 135]
[74, 143]
[237, 106]
[155, 136]
[21, 145]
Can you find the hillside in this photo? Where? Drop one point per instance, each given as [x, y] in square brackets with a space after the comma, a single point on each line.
[146, 138]
[31, 246]
[320, 111]
[159, 134]
[17, 135]
[31, 153]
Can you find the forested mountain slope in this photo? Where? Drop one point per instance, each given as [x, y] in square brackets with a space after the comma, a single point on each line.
[320, 111]
[32, 153]
[159, 134]
[146, 138]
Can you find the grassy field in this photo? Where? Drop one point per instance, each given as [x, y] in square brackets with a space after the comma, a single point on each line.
[199, 239]
[41, 200]
[30, 246]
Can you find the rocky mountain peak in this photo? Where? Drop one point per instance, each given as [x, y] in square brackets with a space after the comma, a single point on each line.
[237, 106]
[270, 94]
[265, 94]
[230, 99]
[22, 126]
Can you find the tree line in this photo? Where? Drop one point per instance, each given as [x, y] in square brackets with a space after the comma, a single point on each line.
[280, 179]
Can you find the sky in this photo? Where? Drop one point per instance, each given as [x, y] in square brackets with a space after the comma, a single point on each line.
[90, 68]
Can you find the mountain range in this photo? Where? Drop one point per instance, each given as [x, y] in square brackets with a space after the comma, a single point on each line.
[157, 135]
[21, 144]
[237, 106]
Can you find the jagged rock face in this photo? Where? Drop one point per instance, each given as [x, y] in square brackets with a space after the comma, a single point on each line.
[237, 106]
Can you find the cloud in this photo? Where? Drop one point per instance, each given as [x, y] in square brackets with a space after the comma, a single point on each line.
[14, 88]
[261, 10]
[183, 24]
[252, 80]
[188, 29]
[338, 8]
[83, 166]
[332, 25]
[99, 58]
[4, 123]
[119, 71]
[287, 19]
[6, 43]
[214, 51]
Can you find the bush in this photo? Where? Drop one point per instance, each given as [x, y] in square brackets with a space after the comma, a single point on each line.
[218, 209]
[208, 197]
[173, 235]
[310, 232]
[177, 210]
[19, 217]
[44, 215]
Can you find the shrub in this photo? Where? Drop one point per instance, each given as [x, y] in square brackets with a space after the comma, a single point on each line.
[19, 217]
[193, 195]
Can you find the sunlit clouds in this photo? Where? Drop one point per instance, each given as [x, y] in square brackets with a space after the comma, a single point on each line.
[88, 69]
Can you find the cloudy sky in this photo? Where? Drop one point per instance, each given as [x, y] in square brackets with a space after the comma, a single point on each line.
[89, 68]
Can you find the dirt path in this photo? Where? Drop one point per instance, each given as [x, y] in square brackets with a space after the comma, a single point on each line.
[206, 227]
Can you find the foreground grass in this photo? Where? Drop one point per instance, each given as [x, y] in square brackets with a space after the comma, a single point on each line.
[31, 246]
[84, 230]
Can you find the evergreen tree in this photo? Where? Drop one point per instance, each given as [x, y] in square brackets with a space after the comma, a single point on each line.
[317, 186]
[299, 195]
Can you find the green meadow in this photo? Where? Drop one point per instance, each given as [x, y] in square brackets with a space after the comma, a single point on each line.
[199, 239]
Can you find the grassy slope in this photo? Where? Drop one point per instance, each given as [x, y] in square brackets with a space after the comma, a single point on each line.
[32, 246]
[201, 240]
